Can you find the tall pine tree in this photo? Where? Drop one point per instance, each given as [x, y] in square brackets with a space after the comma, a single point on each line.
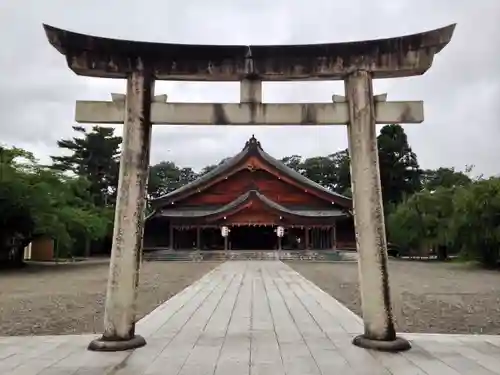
[95, 157]
[400, 173]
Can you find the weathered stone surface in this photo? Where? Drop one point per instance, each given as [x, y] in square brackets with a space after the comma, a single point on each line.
[368, 209]
[314, 114]
[399, 344]
[100, 345]
[384, 58]
[119, 317]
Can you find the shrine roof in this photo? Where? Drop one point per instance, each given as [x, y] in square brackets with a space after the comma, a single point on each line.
[385, 58]
[244, 199]
[252, 148]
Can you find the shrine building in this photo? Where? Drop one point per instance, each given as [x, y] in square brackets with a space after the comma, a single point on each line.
[252, 194]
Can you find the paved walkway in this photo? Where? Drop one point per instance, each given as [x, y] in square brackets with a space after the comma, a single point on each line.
[252, 317]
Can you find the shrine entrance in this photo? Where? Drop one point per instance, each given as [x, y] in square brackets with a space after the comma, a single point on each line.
[355, 63]
[253, 237]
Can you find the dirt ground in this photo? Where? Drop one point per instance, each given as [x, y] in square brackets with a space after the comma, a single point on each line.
[428, 297]
[69, 299]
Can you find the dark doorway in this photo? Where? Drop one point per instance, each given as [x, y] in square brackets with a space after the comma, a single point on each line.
[211, 239]
[293, 239]
[253, 238]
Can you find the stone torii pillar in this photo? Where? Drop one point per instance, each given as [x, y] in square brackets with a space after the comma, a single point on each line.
[356, 63]
[369, 222]
[369, 218]
[121, 295]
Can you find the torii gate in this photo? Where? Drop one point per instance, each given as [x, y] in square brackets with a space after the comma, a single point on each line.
[356, 63]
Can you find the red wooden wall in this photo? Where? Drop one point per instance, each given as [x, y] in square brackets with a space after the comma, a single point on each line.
[272, 187]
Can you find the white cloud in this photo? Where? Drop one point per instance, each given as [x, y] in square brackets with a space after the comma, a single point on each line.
[38, 91]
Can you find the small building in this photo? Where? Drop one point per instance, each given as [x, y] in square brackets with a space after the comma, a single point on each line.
[252, 194]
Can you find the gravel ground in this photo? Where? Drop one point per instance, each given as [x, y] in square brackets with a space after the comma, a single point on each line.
[69, 299]
[428, 297]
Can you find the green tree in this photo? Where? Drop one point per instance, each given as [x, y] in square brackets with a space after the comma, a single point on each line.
[461, 219]
[476, 220]
[332, 171]
[444, 177]
[166, 176]
[341, 172]
[400, 174]
[63, 209]
[421, 222]
[320, 169]
[294, 162]
[16, 221]
[186, 175]
[163, 178]
[95, 157]
[37, 201]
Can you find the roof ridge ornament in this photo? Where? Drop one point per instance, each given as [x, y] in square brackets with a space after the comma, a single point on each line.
[252, 143]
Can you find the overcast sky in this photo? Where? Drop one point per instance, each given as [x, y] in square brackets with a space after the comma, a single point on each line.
[461, 91]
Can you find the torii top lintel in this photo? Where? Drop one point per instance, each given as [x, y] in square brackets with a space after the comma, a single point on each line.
[386, 58]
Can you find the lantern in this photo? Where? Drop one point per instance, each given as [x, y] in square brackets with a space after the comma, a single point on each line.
[280, 231]
[224, 231]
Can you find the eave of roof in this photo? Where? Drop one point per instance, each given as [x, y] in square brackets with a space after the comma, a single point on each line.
[241, 201]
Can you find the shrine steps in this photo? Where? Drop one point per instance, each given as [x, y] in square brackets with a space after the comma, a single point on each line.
[284, 255]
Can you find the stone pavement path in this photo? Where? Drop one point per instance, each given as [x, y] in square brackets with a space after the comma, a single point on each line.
[253, 317]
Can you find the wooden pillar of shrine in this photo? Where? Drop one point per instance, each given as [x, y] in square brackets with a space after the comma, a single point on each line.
[306, 237]
[171, 236]
[334, 237]
[198, 238]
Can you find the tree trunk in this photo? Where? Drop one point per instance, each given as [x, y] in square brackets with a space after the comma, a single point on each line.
[442, 252]
[88, 244]
[18, 260]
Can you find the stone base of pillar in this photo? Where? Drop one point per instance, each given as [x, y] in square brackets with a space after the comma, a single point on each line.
[106, 345]
[399, 344]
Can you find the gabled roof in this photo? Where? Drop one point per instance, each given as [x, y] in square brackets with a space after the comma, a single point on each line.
[252, 148]
[242, 201]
